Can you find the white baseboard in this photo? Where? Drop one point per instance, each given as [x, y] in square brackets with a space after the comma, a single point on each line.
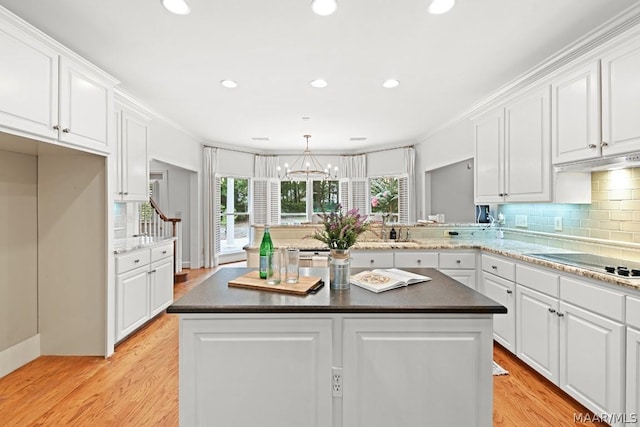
[20, 354]
[232, 257]
[186, 264]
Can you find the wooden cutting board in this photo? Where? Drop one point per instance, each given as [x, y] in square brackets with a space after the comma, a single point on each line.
[252, 280]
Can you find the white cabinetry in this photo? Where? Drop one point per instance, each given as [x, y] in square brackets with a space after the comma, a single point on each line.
[132, 166]
[621, 99]
[633, 356]
[575, 119]
[372, 259]
[422, 259]
[497, 283]
[48, 94]
[460, 266]
[513, 161]
[144, 286]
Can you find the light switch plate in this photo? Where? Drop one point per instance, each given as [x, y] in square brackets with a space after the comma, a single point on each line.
[521, 221]
[557, 223]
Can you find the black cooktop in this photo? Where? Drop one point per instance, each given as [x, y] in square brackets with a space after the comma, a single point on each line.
[615, 266]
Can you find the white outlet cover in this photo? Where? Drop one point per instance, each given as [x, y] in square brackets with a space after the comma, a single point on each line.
[557, 223]
[521, 221]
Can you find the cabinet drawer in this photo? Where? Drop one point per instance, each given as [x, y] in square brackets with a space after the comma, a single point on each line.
[539, 280]
[633, 312]
[371, 259]
[498, 266]
[161, 252]
[135, 259]
[457, 260]
[597, 299]
[416, 259]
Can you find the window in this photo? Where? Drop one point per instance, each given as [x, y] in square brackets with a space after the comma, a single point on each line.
[300, 200]
[234, 214]
[384, 195]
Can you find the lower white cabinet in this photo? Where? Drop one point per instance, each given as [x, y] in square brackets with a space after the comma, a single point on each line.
[372, 259]
[633, 372]
[537, 331]
[460, 266]
[504, 325]
[144, 286]
[592, 359]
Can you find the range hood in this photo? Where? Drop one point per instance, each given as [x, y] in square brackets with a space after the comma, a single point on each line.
[630, 160]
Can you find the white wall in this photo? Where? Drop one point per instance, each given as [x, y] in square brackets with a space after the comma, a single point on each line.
[18, 248]
[388, 162]
[453, 144]
[235, 163]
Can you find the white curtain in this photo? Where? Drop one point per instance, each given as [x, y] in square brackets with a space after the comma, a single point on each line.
[353, 166]
[266, 166]
[410, 168]
[210, 164]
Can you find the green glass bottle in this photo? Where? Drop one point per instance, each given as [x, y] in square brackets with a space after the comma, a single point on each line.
[266, 250]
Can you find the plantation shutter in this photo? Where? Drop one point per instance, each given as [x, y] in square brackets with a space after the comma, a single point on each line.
[274, 201]
[216, 217]
[352, 193]
[403, 199]
[265, 201]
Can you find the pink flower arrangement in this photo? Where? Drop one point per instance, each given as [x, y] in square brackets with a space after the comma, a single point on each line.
[341, 230]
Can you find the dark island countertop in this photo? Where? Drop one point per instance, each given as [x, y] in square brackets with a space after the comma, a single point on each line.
[440, 295]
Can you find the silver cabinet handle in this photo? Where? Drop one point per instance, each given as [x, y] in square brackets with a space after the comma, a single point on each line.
[57, 127]
[509, 291]
[551, 310]
[419, 261]
[560, 314]
[164, 252]
[604, 144]
[592, 145]
[371, 261]
[135, 261]
[458, 261]
[66, 130]
[126, 193]
[495, 267]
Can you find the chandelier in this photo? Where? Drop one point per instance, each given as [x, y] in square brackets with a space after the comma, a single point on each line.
[307, 166]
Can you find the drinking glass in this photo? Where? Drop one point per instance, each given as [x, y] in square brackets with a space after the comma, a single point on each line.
[274, 268]
[292, 273]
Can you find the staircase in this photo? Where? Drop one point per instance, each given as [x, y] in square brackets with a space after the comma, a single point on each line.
[156, 224]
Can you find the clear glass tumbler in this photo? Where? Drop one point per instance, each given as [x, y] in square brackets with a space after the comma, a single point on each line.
[292, 272]
[274, 269]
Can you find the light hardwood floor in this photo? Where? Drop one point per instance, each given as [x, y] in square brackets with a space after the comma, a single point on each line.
[138, 385]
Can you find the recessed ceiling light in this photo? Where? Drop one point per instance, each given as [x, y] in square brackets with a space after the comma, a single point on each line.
[179, 7]
[324, 7]
[260, 138]
[230, 84]
[358, 138]
[306, 118]
[391, 83]
[438, 7]
[319, 83]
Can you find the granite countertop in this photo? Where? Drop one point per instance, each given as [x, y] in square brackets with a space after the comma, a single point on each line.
[505, 247]
[440, 295]
[121, 246]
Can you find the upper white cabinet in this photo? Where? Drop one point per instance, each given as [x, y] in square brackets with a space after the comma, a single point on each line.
[621, 99]
[132, 166]
[575, 120]
[44, 93]
[513, 151]
[29, 90]
[86, 107]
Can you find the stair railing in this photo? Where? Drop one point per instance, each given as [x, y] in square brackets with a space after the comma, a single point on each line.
[158, 225]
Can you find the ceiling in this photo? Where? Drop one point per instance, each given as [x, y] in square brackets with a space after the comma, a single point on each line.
[274, 48]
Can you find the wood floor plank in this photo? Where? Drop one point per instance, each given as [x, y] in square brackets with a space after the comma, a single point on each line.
[138, 385]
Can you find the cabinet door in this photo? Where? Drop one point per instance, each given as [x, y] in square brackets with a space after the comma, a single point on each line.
[281, 366]
[161, 286]
[528, 148]
[466, 277]
[489, 139]
[372, 259]
[423, 259]
[394, 370]
[591, 359]
[575, 119]
[29, 76]
[504, 325]
[86, 107]
[621, 99]
[135, 166]
[133, 301]
[537, 331]
[633, 372]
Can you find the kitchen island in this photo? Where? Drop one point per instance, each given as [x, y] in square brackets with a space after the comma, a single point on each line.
[418, 355]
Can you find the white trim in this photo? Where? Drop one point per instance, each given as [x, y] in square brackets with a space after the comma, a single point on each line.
[19, 355]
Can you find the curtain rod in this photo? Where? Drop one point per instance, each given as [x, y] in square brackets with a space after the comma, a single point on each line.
[275, 155]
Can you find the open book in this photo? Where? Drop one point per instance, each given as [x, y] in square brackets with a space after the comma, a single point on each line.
[380, 280]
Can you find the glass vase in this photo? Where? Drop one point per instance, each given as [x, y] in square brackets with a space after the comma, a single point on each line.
[339, 269]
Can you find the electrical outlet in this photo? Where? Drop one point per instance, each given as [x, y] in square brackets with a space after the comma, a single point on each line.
[336, 381]
[557, 223]
[521, 221]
